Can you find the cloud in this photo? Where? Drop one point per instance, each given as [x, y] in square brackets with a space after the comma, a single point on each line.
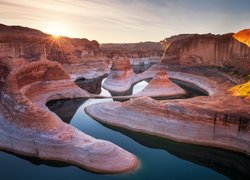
[128, 20]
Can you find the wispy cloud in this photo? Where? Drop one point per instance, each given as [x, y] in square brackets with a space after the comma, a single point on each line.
[128, 20]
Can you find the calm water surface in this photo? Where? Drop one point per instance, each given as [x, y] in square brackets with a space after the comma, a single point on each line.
[160, 159]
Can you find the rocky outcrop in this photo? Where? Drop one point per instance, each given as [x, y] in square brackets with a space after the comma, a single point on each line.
[162, 86]
[120, 77]
[209, 50]
[32, 45]
[28, 128]
[218, 120]
[138, 53]
[243, 36]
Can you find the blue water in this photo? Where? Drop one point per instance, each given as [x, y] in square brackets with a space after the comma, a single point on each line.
[160, 158]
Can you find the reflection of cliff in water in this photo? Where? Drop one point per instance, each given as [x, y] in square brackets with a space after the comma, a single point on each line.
[231, 164]
[93, 86]
[141, 68]
[65, 108]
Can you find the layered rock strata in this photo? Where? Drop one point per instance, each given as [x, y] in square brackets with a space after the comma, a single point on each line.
[209, 50]
[29, 128]
[120, 77]
[219, 120]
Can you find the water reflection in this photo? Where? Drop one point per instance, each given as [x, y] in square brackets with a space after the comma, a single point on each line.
[141, 68]
[93, 86]
[65, 108]
[231, 164]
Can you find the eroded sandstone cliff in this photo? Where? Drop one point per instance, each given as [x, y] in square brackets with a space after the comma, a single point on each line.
[209, 50]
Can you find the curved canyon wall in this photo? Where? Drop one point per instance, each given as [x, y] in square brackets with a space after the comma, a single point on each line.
[208, 49]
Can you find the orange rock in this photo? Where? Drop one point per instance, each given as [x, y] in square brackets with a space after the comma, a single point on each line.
[243, 36]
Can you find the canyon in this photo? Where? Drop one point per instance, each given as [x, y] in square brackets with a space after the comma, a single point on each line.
[37, 68]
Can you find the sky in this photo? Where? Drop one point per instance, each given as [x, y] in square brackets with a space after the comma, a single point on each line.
[115, 21]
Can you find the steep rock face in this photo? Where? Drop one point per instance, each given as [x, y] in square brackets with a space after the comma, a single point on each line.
[31, 45]
[210, 50]
[139, 53]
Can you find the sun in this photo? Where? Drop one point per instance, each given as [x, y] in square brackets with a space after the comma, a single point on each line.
[56, 30]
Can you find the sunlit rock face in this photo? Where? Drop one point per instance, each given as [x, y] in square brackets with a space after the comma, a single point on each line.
[120, 77]
[32, 45]
[28, 128]
[242, 90]
[243, 36]
[138, 53]
[209, 50]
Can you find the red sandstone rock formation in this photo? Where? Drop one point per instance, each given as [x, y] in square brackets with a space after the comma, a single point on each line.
[209, 50]
[120, 77]
[121, 64]
[31, 44]
[28, 128]
[218, 120]
[161, 86]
